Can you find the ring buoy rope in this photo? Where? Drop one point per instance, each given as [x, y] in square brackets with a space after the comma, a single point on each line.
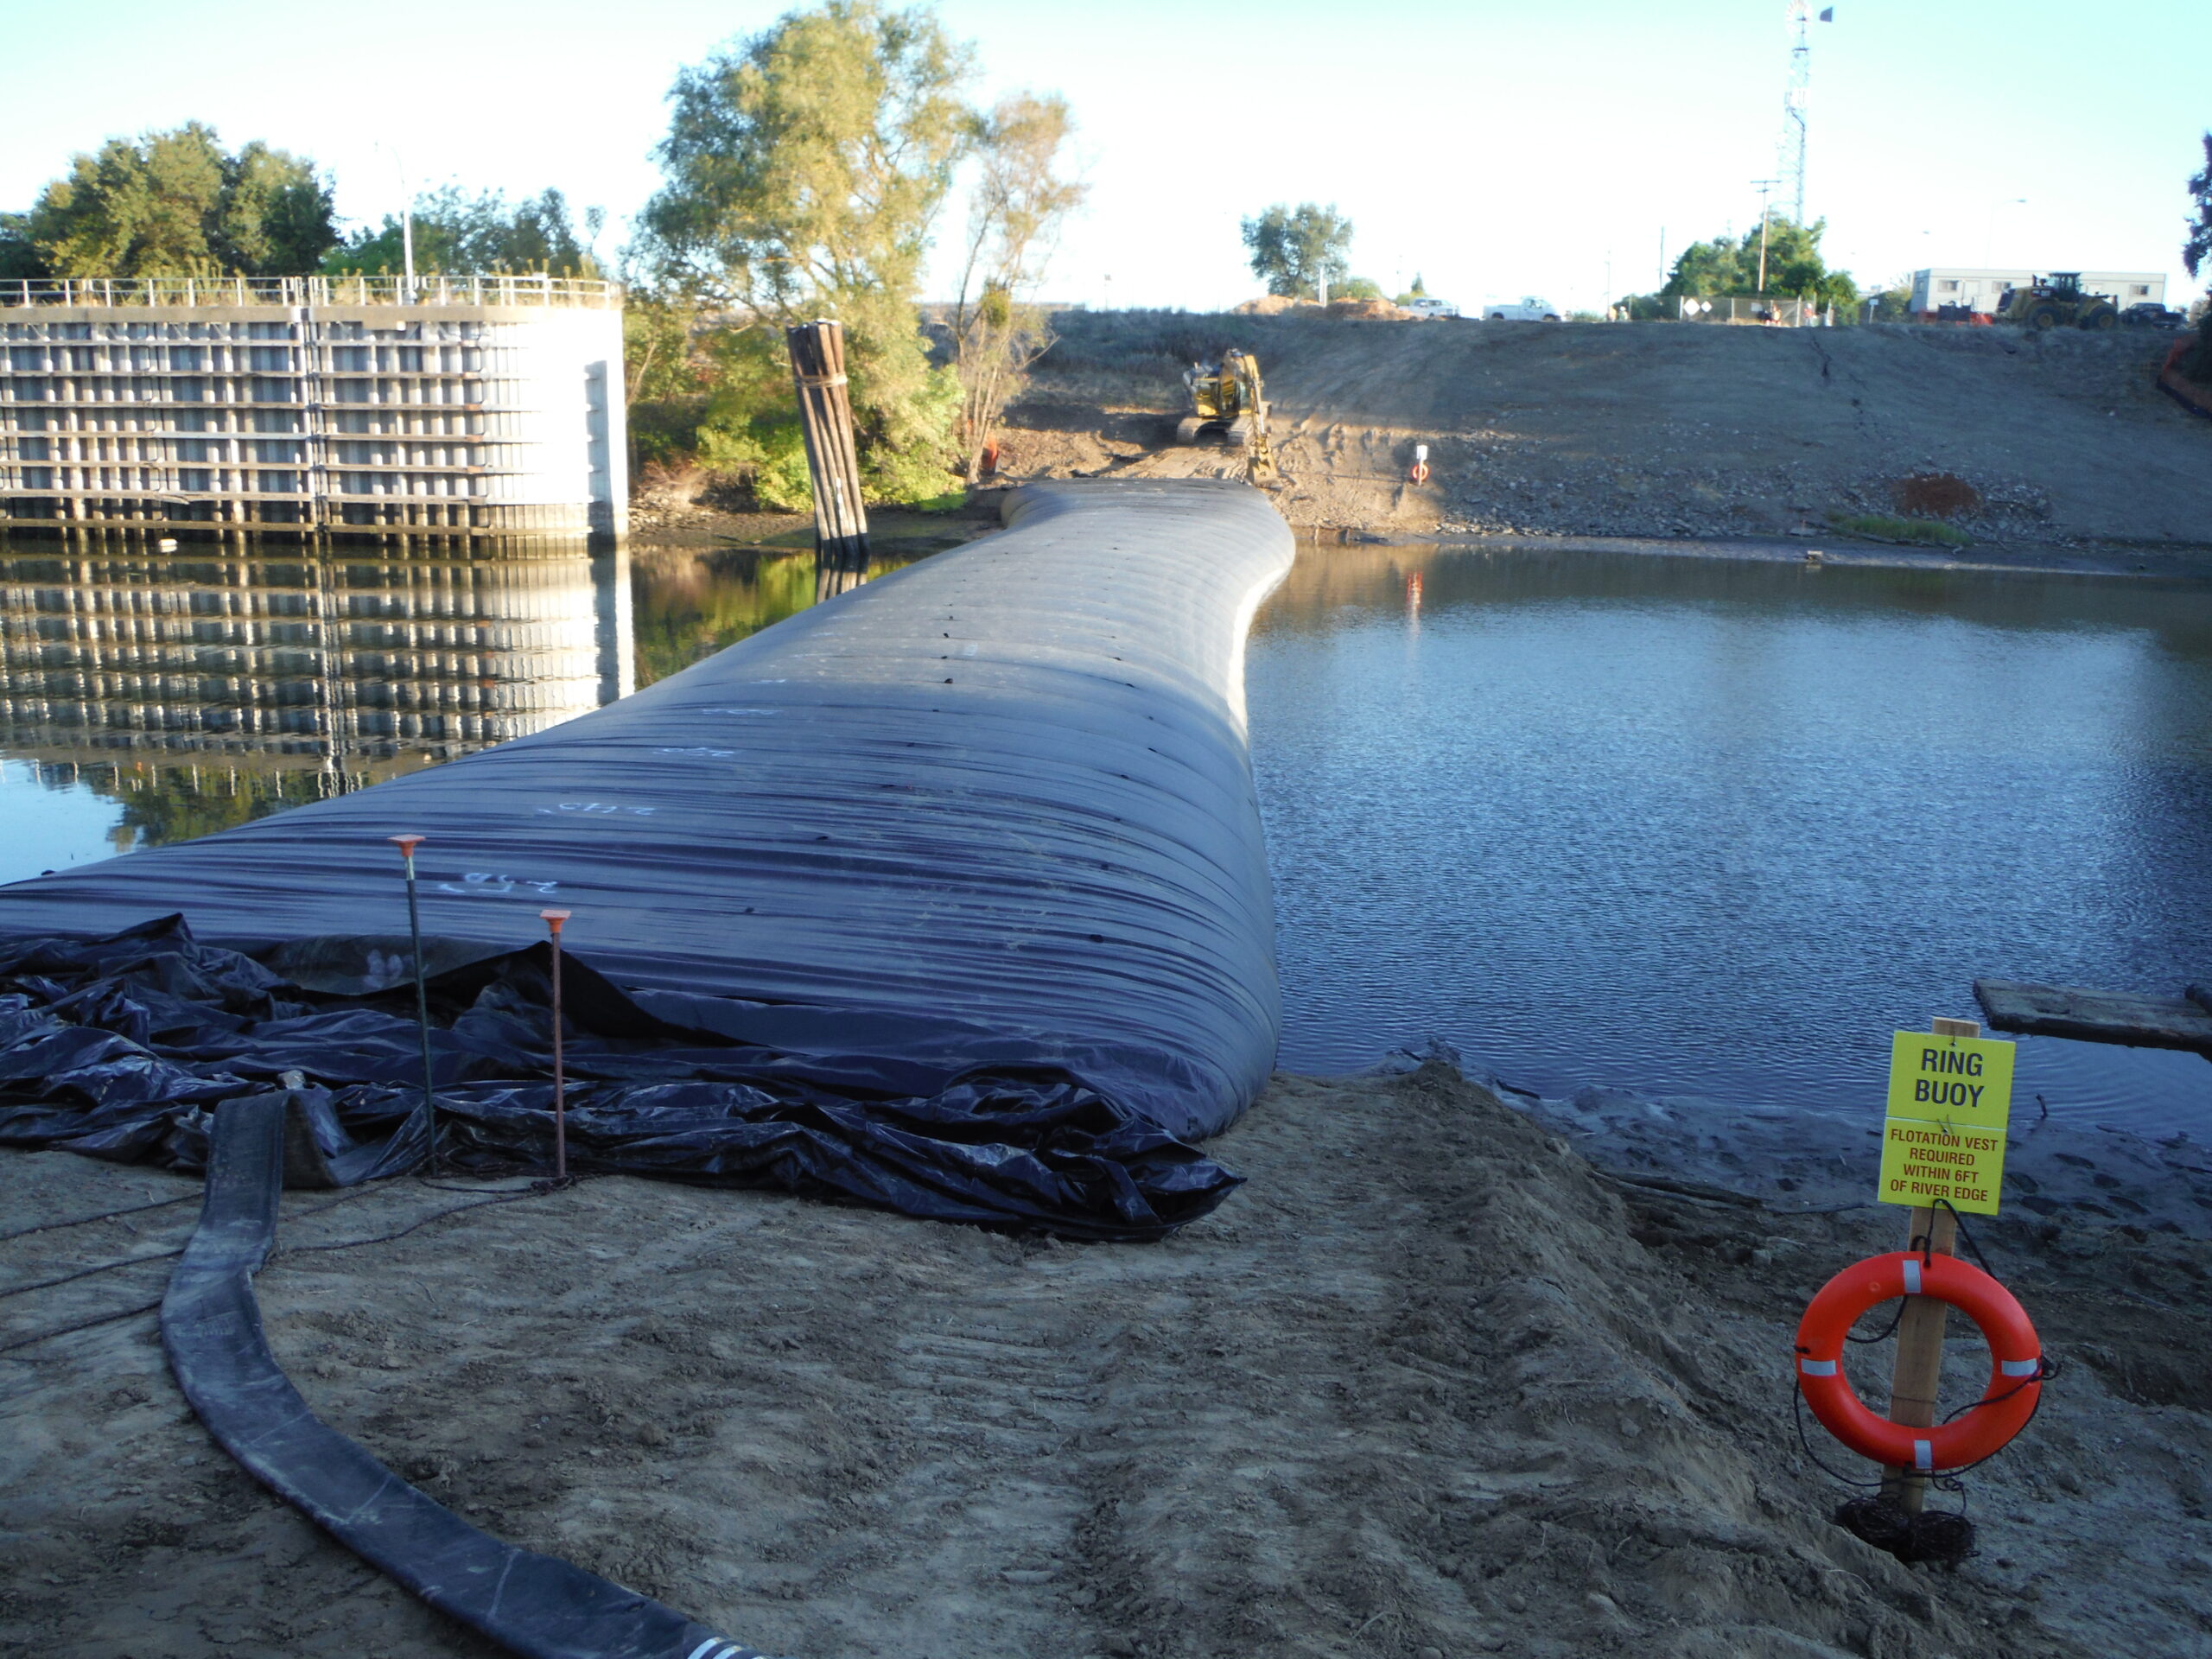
[2016, 1371]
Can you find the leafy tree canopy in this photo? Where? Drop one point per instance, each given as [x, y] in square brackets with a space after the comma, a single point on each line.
[457, 232]
[1021, 197]
[177, 204]
[2197, 252]
[1293, 249]
[1418, 291]
[18, 257]
[803, 170]
[1729, 266]
[1356, 288]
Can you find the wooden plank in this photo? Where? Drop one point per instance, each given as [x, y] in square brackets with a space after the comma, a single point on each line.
[2097, 1016]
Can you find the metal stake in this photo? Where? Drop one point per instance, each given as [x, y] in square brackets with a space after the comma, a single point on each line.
[407, 844]
[553, 919]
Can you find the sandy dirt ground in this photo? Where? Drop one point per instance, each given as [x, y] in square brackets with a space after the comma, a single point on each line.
[1431, 1384]
[1655, 430]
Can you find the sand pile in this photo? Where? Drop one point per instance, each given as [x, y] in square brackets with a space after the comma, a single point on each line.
[1431, 1384]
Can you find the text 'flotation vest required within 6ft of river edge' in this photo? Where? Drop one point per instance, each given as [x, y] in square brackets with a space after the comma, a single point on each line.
[1950, 1099]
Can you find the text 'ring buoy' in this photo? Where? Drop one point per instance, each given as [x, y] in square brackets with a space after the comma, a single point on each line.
[2015, 1368]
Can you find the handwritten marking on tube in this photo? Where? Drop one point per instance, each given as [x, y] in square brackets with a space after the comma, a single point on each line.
[483, 884]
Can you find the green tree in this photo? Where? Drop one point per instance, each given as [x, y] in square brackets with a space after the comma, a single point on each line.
[19, 256]
[667, 375]
[2197, 253]
[178, 203]
[1293, 251]
[1728, 267]
[803, 170]
[457, 232]
[660, 358]
[1019, 202]
[1418, 291]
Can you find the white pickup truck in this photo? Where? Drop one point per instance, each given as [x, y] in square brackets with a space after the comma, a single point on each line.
[1529, 308]
[1428, 310]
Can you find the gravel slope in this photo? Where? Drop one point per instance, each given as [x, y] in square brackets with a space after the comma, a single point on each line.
[1664, 429]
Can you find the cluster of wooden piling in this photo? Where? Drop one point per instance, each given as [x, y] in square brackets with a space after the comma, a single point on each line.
[825, 410]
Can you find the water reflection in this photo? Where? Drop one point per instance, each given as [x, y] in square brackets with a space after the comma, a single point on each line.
[150, 695]
[1713, 828]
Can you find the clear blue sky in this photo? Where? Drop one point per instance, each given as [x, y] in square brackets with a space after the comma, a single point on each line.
[1494, 148]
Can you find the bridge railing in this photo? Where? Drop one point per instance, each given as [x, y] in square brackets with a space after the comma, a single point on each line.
[438, 289]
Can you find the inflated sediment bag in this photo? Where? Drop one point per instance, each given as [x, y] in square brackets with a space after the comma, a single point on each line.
[994, 808]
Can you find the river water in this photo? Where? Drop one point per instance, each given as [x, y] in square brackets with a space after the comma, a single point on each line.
[1714, 829]
[1682, 826]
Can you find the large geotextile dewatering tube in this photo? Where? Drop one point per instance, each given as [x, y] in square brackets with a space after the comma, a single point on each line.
[533, 1604]
[994, 809]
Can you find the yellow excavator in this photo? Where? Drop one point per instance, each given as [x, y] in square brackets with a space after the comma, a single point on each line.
[1228, 405]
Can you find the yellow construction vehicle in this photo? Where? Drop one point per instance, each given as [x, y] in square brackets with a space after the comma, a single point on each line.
[1229, 404]
[2055, 300]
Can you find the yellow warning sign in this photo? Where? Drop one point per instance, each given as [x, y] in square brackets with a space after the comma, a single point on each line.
[1967, 1080]
[1922, 1162]
[1950, 1100]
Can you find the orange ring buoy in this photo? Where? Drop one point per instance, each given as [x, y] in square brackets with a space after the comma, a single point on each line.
[2015, 1368]
[1419, 473]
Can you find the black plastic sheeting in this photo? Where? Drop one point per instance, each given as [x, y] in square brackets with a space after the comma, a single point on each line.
[949, 894]
[533, 1604]
[123, 1048]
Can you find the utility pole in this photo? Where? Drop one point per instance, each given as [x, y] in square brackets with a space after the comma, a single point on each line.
[1765, 187]
[406, 224]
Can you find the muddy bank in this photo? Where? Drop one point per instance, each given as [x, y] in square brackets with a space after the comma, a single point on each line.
[1431, 1381]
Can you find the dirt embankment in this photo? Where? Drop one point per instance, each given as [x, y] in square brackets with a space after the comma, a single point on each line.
[1429, 1385]
[1653, 429]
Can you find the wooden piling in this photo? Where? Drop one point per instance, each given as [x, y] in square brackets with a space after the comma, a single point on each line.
[1919, 1371]
[825, 408]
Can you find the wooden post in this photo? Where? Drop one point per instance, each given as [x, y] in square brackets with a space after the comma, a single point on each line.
[1915, 1382]
[825, 410]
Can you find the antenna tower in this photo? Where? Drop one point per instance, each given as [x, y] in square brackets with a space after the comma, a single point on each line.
[1799, 14]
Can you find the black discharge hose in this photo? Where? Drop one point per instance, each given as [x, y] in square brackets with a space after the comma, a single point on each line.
[530, 1603]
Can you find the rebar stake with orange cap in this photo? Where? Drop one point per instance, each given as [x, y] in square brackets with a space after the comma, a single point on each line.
[407, 844]
[553, 919]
